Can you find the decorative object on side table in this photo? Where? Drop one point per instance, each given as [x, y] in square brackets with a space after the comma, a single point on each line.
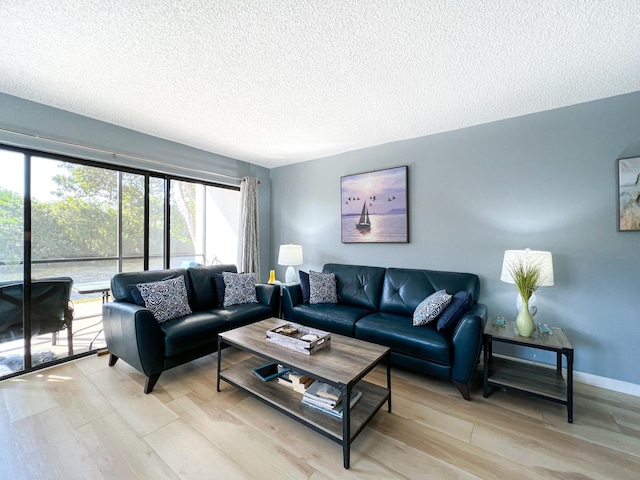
[528, 270]
[290, 255]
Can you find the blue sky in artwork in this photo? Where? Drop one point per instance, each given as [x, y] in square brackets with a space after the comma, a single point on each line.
[629, 171]
[383, 190]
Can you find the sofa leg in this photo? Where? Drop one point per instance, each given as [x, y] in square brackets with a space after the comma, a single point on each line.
[464, 389]
[112, 359]
[151, 382]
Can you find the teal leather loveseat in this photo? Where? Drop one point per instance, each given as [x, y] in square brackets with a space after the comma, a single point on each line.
[377, 304]
[133, 334]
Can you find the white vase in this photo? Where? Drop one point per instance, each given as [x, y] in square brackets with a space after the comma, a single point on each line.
[524, 321]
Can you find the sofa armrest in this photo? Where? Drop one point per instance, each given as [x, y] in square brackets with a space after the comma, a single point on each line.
[467, 342]
[291, 296]
[269, 295]
[133, 334]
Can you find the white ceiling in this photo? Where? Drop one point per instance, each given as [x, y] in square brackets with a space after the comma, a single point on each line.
[275, 82]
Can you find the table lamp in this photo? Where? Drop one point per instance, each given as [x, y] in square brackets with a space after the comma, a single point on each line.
[540, 259]
[290, 255]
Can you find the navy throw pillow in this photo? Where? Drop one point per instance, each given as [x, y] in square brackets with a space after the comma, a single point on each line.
[218, 283]
[460, 303]
[304, 286]
[135, 294]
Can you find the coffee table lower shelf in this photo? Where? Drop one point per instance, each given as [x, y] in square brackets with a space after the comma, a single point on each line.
[290, 403]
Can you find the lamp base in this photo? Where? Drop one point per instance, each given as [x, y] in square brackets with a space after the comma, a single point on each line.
[290, 276]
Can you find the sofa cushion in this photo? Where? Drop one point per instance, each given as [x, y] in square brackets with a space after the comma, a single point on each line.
[204, 295]
[192, 331]
[359, 286]
[120, 282]
[166, 299]
[336, 318]
[432, 306]
[322, 288]
[239, 288]
[398, 333]
[460, 303]
[405, 288]
[244, 314]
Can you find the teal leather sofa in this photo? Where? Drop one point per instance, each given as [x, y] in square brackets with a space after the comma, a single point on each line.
[376, 304]
[133, 334]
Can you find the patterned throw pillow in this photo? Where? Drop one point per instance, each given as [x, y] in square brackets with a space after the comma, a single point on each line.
[322, 288]
[166, 299]
[430, 308]
[239, 288]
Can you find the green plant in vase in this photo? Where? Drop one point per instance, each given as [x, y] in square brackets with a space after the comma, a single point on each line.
[527, 274]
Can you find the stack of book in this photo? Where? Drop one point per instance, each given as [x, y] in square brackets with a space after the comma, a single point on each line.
[296, 380]
[328, 399]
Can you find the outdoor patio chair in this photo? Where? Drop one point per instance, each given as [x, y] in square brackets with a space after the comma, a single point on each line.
[51, 309]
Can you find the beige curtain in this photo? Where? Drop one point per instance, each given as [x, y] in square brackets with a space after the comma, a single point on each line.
[249, 250]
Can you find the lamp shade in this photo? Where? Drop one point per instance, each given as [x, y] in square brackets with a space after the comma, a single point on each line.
[528, 257]
[290, 255]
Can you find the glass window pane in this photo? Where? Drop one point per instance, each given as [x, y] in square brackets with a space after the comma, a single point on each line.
[187, 222]
[11, 215]
[132, 222]
[75, 234]
[11, 261]
[156, 223]
[222, 219]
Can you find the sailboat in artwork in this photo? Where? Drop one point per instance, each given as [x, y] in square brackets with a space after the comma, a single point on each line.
[364, 223]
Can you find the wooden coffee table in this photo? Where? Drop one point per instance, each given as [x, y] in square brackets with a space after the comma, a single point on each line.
[343, 364]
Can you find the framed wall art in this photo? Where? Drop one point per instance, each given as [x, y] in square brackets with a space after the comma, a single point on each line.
[374, 206]
[629, 194]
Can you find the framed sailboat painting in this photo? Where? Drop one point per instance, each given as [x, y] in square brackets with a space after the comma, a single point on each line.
[374, 206]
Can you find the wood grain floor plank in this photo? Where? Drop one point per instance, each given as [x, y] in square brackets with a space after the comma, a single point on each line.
[407, 461]
[52, 447]
[308, 446]
[193, 457]
[240, 442]
[119, 453]
[27, 395]
[145, 413]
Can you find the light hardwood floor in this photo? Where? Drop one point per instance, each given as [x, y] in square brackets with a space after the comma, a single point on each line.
[85, 420]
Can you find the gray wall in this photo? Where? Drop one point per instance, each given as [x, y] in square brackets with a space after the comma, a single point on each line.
[545, 181]
[167, 157]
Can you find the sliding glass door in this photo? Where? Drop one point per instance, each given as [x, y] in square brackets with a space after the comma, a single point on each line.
[12, 204]
[67, 226]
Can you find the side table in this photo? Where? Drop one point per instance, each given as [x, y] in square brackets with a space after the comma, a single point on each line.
[538, 381]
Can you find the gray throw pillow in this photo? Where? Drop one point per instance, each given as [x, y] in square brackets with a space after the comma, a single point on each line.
[239, 288]
[166, 299]
[322, 288]
[429, 309]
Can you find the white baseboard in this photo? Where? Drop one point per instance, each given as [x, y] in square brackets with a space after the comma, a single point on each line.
[589, 379]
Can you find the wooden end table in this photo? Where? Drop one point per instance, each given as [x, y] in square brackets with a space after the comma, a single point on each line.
[548, 384]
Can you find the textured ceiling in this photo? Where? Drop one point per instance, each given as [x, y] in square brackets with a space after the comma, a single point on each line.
[274, 82]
